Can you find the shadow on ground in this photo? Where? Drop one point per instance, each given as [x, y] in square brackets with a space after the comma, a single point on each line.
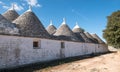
[37, 66]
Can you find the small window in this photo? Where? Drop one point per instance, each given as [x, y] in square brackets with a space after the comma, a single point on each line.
[62, 45]
[35, 44]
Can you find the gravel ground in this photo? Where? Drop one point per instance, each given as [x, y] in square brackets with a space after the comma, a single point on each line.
[104, 63]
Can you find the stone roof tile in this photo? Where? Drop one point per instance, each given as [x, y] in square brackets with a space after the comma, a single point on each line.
[10, 15]
[30, 25]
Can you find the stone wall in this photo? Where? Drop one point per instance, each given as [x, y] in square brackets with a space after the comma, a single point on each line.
[16, 51]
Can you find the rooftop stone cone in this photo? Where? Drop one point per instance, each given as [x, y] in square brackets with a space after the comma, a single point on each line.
[64, 30]
[6, 27]
[80, 34]
[30, 25]
[51, 29]
[11, 14]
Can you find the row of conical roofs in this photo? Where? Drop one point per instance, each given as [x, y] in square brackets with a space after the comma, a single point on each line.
[27, 24]
[76, 33]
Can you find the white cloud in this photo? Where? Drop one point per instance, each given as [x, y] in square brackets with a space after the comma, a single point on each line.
[1, 3]
[38, 5]
[5, 7]
[34, 3]
[16, 7]
[23, 4]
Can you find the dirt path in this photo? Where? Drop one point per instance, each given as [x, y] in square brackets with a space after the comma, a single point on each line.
[103, 63]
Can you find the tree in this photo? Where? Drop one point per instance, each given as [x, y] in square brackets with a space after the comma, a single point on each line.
[112, 31]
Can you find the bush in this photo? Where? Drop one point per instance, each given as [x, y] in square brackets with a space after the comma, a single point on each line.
[112, 31]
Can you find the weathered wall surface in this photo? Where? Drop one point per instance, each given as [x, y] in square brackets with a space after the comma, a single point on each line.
[102, 48]
[48, 50]
[9, 51]
[15, 51]
[73, 49]
[89, 48]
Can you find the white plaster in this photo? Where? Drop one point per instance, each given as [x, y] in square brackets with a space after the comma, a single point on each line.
[30, 8]
[15, 51]
[64, 21]
[13, 7]
[76, 26]
[51, 23]
[73, 49]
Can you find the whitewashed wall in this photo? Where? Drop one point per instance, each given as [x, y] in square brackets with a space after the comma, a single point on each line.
[15, 51]
[102, 48]
[9, 51]
[73, 49]
[49, 50]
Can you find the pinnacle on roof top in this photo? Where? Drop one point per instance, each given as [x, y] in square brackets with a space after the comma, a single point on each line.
[30, 8]
[64, 21]
[51, 29]
[77, 29]
[13, 7]
[76, 26]
[11, 14]
[51, 23]
[64, 30]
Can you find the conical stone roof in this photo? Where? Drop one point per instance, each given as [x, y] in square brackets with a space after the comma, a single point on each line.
[10, 15]
[6, 27]
[98, 38]
[77, 29]
[80, 34]
[30, 25]
[90, 37]
[86, 39]
[64, 30]
[51, 29]
[79, 37]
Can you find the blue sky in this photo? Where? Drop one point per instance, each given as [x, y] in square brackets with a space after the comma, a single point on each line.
[90, 14]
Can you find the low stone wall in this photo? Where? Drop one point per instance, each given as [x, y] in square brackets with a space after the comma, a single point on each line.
[16, 51]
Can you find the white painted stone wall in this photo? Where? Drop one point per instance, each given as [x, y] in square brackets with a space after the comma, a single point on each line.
[49, 50]
[102, 48]
[89, 48]
[73, 49]
[9, 51]
[15, 51]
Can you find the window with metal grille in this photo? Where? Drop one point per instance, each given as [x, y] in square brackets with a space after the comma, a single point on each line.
[35, 44]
